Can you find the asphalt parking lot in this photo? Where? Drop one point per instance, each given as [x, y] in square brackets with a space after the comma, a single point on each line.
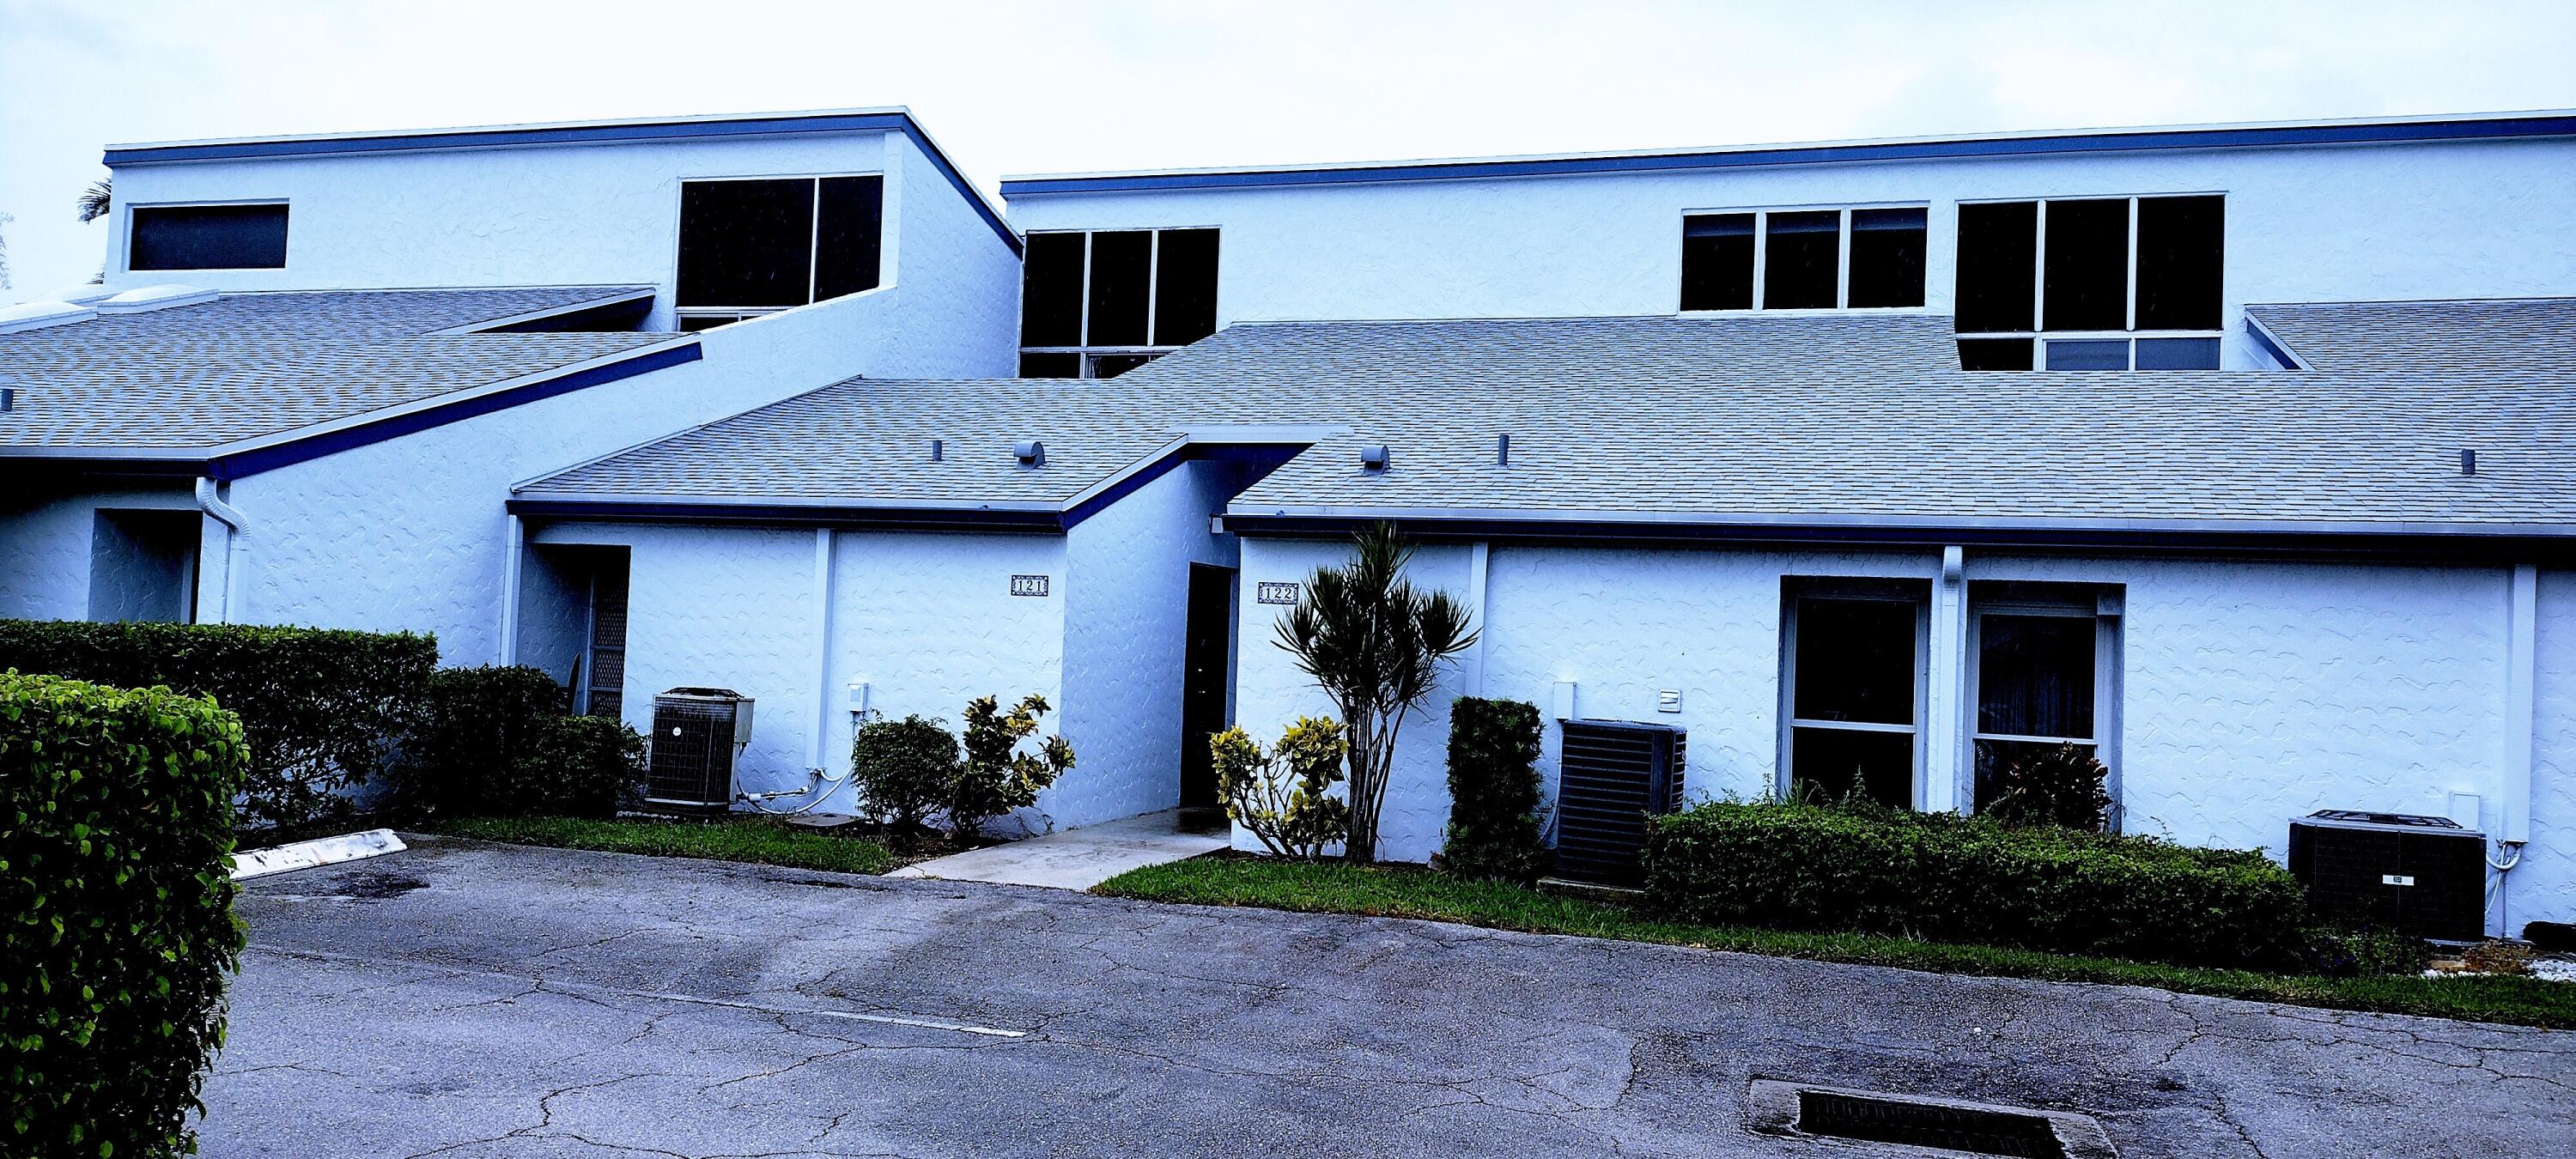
[480, 1002]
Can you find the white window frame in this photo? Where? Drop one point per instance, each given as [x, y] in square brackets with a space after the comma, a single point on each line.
[2104, 609]
[1801, 589]
[813, 241]
[1088, 352]
[1842, 257]
[125, 233]
[2041, 335]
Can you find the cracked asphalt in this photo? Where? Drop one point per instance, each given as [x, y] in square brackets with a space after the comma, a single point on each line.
[480, 1001]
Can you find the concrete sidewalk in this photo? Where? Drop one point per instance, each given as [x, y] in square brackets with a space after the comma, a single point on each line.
[1076, 858]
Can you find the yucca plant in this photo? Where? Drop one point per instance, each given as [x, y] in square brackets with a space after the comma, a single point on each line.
[1375, 645]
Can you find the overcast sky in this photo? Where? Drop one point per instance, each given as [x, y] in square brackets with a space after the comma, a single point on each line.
[1014, 88]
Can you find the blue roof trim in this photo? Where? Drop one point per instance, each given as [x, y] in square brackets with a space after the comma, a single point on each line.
[792, 514]
[2380, 132]
[892, 122]
[332, 442]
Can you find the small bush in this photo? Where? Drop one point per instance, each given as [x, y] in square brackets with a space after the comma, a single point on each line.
[116, 831]
[995, 777]
[904, 770]
[1952, 878]
[2036, 784]
[1493, 791]
[497, 742]
[1284, 796]
[322, 710]
[2365, 953]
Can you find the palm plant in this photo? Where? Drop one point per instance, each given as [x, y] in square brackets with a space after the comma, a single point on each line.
[97, 200]
[1375, 645]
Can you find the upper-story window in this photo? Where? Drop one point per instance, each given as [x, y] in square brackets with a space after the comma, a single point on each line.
[1803, 259]
[1099, 304]
[759, 245]
[206, 237]
[2116, 283]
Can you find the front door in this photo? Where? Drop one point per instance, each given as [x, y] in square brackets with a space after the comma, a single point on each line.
[1204, 666]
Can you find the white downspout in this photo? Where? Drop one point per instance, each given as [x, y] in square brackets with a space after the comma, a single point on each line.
[236, 532]
[1947, 783]
[510, 591]
[2522, 651]
[822, 620]
[1478, 554]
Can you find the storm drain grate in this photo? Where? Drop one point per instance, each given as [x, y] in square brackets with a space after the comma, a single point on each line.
[1973, 1130]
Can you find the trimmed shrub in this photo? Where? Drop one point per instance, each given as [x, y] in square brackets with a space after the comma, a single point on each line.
[116, 926]
[322, 710]
[1965, 879]
[497, 742]
[995, 777]
[1493, 791]
[1284, 797]
[903, 770]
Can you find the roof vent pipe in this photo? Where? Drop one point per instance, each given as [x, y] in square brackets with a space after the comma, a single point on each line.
[2468, 461]
[938, 450]
[1373, 458]
[8, 393]
[1031, 452]
[1502, 450]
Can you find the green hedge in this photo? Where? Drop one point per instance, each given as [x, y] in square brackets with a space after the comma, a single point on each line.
[497, 742]
[323, 710]
[1951, 878]
[1493, 791]
[116, 926]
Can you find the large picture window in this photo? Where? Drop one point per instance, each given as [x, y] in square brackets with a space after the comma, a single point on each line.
[1851, 675]
[1098, 304]
[206, 237]
[755, 246]
[2041, 672]
[1805, 259]
[2117, 283]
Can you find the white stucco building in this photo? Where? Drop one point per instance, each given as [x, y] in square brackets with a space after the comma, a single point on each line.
[2237, 455]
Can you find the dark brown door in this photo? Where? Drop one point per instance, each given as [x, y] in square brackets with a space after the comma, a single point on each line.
[1203, 678]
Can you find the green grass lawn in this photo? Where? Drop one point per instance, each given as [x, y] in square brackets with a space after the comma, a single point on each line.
[739, 839]
[1413, 892]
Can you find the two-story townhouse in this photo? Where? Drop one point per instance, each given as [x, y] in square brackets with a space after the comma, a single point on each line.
[317, 363]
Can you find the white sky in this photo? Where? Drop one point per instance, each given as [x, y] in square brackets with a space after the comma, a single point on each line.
[1014, 88]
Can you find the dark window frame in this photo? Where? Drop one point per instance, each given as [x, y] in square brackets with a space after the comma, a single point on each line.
[1091, 358]
[722, 313]
[1761, 240]
[134, 215]
[1796, 592]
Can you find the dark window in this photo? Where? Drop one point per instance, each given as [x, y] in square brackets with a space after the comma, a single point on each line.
[1998, 249]
[2088, 354]
[847, 233]
[1834, 764]
[2035, 675]
[2177, 354]
[207, 237]
[1120, 266]
[2181, 249]
[1185, 286]
[1051, 292]
[696, 322]
[1887, 257]
[1994, 354]
[746, 243]
[1050, 365]
[1800, 260]
[2086, 283]
[1855, 661]
[1113, 365]
[1717, 261]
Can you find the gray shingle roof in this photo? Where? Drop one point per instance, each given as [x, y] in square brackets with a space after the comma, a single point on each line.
[1596, 427]
[2505, 334]
[247, 365]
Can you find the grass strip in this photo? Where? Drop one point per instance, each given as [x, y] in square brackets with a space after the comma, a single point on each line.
[752, 840]
[1415, 892]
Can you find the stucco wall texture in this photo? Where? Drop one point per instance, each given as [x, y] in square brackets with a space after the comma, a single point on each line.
[2252, 692]
[2370, 222]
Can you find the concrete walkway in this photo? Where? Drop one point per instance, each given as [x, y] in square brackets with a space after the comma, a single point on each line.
[1076, 858]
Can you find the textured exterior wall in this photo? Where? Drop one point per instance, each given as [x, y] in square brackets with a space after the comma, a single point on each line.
[46, 542]
[2253, 692]
[958, 286]
[2544, 885]
[1126, 590]
[2471, 219]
